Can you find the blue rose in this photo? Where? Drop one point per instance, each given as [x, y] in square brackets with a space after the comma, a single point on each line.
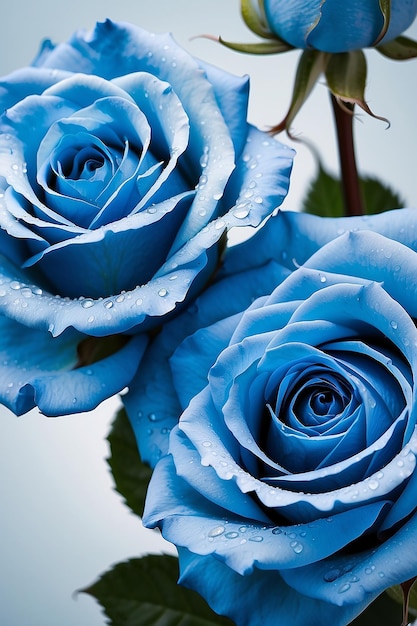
[288, 479]
[337, 26]
[123, 163]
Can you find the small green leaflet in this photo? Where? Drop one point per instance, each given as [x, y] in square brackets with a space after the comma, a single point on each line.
[324, 196]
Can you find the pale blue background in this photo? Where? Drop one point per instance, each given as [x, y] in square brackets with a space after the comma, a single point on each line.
[61, 524]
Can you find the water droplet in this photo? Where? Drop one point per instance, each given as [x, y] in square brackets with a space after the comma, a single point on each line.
[231, 535]
[373, 484]
[220, 224]
[206, 444]
[91, 319]
[162, 292]
[240, 214]
[108, 304]
[26, 292]
[258, 200]
[297, 546]
[86, 304]
[323, 279]
[216, 531]
[152, 417]
[256, 538]
[243, 529]
[332, 575]
[120, 298]
[276, 531]
[394, 324]
[139, 301]
[15, 285]
[344, 588]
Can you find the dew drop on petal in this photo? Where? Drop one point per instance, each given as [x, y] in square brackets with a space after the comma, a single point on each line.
[240, 214]
[216, 531]
[162, 292]
[332, 575]
[344, 588]
[232, 535]
[296, 546]
[256, 538]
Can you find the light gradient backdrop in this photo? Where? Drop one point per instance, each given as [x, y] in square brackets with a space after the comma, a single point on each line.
[61, 523]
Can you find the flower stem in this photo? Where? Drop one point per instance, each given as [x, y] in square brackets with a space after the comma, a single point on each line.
[351, 190]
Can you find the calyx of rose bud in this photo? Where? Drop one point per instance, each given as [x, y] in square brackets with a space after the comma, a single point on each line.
[345, 72]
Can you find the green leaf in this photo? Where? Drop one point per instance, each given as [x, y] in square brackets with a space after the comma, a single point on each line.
[144, 592]
[382, 612]
[310, 66]
[379, 197]
[324, 196]
[399, 49]
[131, 475]
[346, 79]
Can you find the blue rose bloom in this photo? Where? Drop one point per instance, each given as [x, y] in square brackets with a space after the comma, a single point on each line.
[289, 473]
[123, 163]
[336, 25]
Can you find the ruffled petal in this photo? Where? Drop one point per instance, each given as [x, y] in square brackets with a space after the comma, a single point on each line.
[39, 370]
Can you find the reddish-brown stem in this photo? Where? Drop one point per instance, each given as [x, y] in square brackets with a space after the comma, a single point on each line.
[351, 190]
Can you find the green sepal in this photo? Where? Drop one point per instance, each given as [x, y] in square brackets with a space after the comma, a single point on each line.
[397, 594]
[346, 78]
[256, 19]
[311, 64]
[399, 49]
[142, 592]
[131, 475]
[273, 46]
[385, 6]
[324, 196]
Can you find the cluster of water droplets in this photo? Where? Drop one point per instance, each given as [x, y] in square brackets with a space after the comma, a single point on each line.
[243, 533]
